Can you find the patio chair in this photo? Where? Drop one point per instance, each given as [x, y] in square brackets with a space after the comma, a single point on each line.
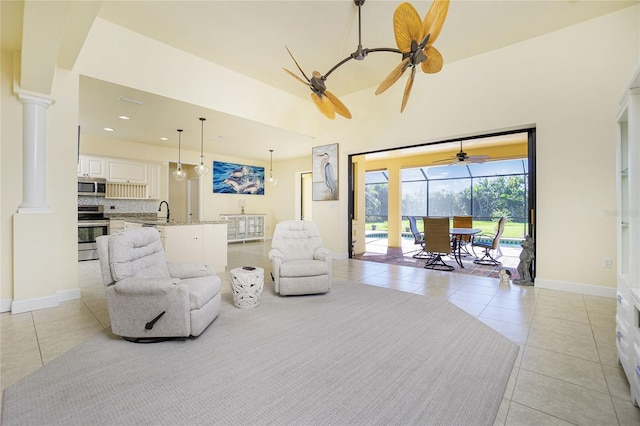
[488, 246]
[437, 242]
[463, 240]
[418, 238]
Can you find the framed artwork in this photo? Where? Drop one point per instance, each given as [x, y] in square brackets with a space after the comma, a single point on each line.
[325, 173]
[232, 178]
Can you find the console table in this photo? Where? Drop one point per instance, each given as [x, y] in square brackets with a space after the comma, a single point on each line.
[244, 227]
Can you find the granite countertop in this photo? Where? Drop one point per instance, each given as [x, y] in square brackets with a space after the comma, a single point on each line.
[154, 221]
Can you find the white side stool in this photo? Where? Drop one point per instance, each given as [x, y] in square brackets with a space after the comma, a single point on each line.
[246, 286]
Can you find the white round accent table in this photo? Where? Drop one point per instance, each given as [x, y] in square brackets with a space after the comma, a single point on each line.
[246, 286]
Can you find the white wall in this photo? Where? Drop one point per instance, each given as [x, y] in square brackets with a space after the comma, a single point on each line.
[39, 261]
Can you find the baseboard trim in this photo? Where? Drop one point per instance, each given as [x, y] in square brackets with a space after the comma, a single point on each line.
[5, 305]
[71, 294]
[28, 305]
[592, 290]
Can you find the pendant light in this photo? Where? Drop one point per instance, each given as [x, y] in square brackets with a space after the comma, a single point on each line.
[272, 181]
[201, 169]
[179, 174]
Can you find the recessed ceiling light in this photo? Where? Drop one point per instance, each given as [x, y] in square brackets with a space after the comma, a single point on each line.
[124, 117]
[217, 137]
[108, 129]
[133, 101]
[164, 139]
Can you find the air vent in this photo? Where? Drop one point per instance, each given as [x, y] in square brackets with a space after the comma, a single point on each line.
[133, 101]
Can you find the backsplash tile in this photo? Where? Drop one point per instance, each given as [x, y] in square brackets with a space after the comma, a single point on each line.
[114, 206]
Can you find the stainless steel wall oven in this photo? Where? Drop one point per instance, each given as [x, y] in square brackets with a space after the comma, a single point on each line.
[91, 224]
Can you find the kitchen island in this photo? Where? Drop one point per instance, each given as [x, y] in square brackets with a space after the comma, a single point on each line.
[202, 242]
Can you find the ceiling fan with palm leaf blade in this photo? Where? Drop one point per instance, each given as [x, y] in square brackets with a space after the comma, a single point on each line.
[461, 159]
[327, 102]
[414, 39]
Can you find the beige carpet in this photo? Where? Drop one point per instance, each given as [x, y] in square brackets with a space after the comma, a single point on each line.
[358, 355]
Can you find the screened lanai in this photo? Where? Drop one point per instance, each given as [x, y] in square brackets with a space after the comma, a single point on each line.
[487, 177]
[485, 191]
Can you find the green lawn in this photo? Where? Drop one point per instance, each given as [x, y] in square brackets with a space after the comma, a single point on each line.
[511, 229]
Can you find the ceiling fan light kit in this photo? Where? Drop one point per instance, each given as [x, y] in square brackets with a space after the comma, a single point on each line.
[414, 39]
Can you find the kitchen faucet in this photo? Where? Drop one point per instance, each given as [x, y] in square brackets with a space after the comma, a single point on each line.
[168, 211]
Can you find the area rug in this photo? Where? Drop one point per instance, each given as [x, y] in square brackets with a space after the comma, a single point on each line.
[357, 355]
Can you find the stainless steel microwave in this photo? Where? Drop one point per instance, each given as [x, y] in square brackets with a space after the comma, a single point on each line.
[95, 187]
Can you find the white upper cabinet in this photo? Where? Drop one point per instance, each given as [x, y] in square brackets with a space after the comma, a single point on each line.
[127, 172]
[93, 167]
[125, 178]
[153, 181]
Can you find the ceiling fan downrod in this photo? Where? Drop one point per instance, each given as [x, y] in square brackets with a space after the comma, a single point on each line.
[360, 53]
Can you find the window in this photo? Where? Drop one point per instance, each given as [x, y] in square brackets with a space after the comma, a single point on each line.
[485, 191]
[376, 197]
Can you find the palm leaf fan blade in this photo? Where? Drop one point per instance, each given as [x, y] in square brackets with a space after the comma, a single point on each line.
[338, 106]
[324, 105]
[434, 19]
[407, 89]
[296, 62]
[434, 61]
[393, 76]
[407, 26]
[296, 77]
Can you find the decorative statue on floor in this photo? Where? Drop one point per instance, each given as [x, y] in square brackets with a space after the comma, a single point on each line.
[526, 258]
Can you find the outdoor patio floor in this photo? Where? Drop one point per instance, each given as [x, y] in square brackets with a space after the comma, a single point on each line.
[377, 250]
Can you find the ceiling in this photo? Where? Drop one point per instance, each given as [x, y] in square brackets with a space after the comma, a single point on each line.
[249, 37]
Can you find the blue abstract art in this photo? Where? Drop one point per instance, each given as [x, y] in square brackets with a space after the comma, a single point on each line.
[232, 178]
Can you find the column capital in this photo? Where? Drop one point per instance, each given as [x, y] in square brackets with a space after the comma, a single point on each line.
[33, 99]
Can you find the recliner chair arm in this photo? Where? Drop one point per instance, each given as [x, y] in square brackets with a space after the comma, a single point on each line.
[184, 270]
[146, 286]
[276, 257]
[275, 253]
[322, 253]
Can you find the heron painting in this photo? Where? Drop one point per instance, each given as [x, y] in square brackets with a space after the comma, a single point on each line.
[325, 172]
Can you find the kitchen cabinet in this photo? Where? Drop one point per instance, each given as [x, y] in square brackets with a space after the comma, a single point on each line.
[244, 227]
[126, 179]
[202, 242]
[93, 167]
[628, 238]
[115, 225]
[126, 172]
[153, 181]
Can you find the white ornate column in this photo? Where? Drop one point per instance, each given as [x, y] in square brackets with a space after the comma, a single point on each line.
[34, 142]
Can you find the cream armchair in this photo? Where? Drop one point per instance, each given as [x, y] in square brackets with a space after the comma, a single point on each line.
[150, 299]
[300, 263]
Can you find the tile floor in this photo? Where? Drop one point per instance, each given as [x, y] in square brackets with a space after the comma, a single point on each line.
[566, 372]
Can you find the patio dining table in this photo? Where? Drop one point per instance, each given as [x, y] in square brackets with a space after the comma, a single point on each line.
[456, 239]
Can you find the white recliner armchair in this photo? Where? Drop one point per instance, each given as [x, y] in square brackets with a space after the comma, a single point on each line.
[300, 263]
[150, 299]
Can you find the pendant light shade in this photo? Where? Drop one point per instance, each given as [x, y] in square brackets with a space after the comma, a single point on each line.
[272, 181]
[201, 169]
[179, 174]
